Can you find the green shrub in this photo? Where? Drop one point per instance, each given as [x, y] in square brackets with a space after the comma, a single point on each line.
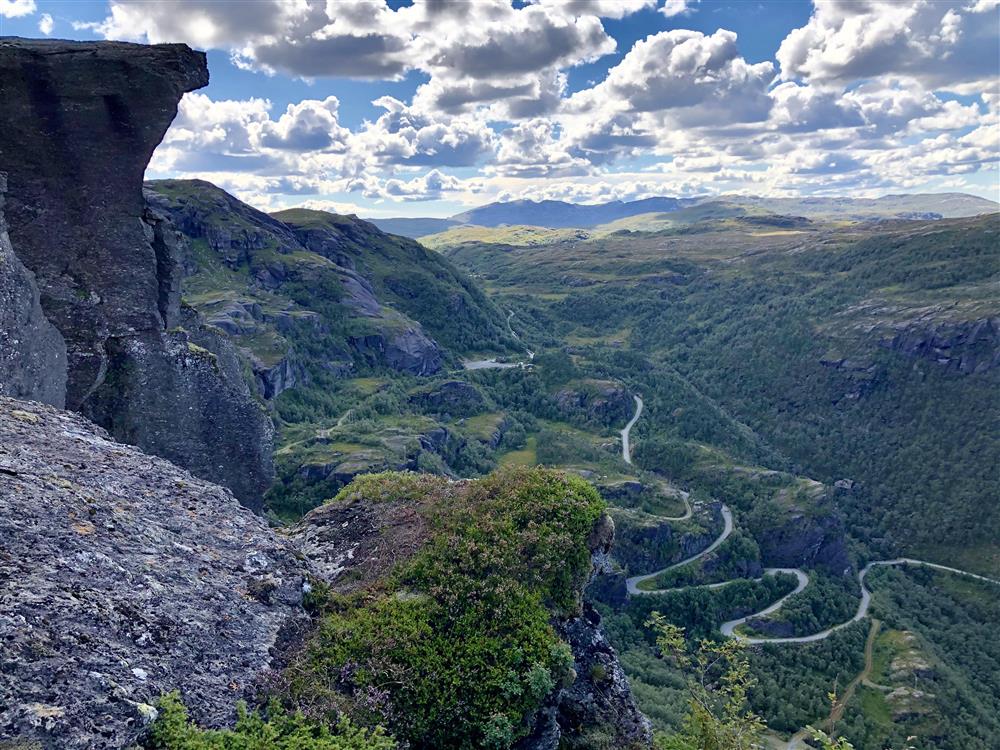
[457, 649]
[173, 730]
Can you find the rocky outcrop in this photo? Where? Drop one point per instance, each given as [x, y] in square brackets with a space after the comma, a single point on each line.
[197, 412]
[964, 347]
[601, 401]
[452, 397]
[32, 352]
[79, 123]
[596, 709]
[409, 350]
[123, 577]
[353, 544]
[646, 542]
[805, 540]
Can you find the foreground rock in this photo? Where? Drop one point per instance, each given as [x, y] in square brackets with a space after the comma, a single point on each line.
[123, 577]
[78, 125]
[32, 353]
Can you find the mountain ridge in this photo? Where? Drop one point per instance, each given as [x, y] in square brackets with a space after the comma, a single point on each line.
[553, 214]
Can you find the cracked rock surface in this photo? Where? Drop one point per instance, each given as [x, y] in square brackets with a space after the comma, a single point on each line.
[123, 577]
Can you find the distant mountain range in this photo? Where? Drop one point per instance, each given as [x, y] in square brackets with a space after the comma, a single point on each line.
[561, 214]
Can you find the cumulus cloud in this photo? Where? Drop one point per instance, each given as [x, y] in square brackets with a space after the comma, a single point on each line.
[675, 8]
[601, 8]
[533, 149]
[406, 136]
[46, 24]
[431, 186]
[846, 40]
[17, 8]
[698, 78]
[309, 125]
[864, 99]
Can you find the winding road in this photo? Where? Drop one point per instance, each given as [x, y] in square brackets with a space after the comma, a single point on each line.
[632, 584]
[728, 629]
[492, 364]
[626, 448]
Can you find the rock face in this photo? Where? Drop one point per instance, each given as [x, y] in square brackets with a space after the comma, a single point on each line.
[602, 401]
[79, 123]
[963, 347]
[597, 709]
[122, 577]
[32, 352]
[806, 540]
[295, 299]
[409, 350]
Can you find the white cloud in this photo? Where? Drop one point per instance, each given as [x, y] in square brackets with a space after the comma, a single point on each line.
[858, 106]
[533, 149]
[601, 8]
[46, 24]
[940, 45]
[406, 136]
[698, 78]
[17, 8]
[309, 125]
[673, 8]
[432, 186]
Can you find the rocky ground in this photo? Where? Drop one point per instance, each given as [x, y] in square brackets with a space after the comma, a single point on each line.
[123, 577]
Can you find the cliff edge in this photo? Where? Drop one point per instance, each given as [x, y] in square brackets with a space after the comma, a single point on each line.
[79, 123]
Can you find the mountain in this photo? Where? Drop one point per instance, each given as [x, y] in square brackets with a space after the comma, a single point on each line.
[651, 214]
[559, 214]
[915, 206]
[307, 294]
[414, 228]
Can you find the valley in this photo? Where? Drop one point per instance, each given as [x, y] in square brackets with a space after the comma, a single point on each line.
[542, 475]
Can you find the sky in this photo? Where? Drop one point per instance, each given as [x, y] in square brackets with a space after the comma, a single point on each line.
[428, 107]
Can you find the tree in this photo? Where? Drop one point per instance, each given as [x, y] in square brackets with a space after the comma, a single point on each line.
[719, 717]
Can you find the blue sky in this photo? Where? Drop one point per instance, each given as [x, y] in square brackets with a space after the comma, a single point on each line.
[428, 107]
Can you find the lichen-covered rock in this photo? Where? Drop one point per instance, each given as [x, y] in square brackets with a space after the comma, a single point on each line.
[123, 577]
[79, 123]
[32, 352]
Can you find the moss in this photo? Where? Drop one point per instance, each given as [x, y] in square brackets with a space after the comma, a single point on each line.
[467, 655]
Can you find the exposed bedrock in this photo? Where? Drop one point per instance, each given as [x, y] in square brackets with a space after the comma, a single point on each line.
[78, 125]
[123, 577]
[32, 352]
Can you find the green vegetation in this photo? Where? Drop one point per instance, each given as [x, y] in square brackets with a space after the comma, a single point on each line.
[505, 235]
[768, 350]
[455, 648]
[273, 730]
[775, 355]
